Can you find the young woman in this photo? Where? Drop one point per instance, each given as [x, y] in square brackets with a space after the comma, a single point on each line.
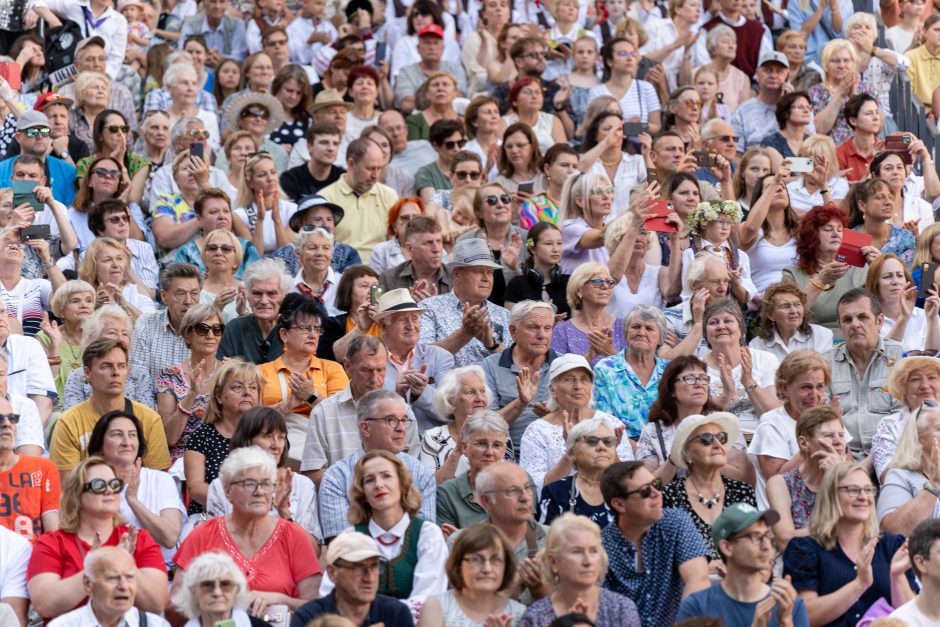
[872, 204]
[855, 154]
[755, 164]
[262, 205]
[292, 88]
[768, 234]
[519, 156]
[583, 78]
[918, 329]
[237, 147]
[541, 277]
[638, 99]
[605, 153]
[794, 115]
[683, 114]
[525, 102]
[560, 162]
[363, 85]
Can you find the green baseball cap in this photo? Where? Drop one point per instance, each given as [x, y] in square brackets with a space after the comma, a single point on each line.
[739, 517]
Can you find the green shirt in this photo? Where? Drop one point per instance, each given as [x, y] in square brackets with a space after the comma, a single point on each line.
[456, 505]
[431, 176]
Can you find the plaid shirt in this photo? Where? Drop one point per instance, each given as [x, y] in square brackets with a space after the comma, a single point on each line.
[444, 315]
[156, 345]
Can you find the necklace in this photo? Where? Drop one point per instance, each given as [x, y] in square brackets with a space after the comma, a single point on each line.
[709, 503]
[610, 164]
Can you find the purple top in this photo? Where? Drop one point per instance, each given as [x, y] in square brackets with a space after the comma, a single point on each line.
[573, 255]
[567, 338]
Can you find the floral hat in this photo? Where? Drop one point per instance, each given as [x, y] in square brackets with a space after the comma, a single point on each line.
[707, 212]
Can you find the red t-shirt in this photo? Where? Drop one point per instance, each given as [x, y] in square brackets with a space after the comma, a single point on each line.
[64, 553]
[286, 558]
[27, 491]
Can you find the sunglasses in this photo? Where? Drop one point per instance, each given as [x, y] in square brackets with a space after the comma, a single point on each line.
[646, 491]
[494, 200]
[33, 132]
[709, 438]
[119, 129]
[454, 143]
[101, 486]
[106, 172]
[593, 440]
[202, 329]
[226, 585]
[255, 113]
[599, 282]
[11, 418]
[214, 248]
[463, 175]
[202, 134]
[119, 218]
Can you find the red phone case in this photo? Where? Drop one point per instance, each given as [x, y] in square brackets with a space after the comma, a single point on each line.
[850, 251]
[657, 221]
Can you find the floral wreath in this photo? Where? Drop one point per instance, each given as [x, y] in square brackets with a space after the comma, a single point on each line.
[708, 212]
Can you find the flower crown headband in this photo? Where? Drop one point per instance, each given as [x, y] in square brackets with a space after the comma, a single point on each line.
[707, 212]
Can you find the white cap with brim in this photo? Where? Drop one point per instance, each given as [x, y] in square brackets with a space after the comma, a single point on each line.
[564, 363]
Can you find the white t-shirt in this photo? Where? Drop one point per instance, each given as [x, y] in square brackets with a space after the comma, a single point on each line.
[639, 101]
[158, 492]
[912, 616]
[622, 301]
[631, 172]
[763, 370]
[768, 261]
[15, 551]
[915, 333]
[775, 436]
[286, 208]
[29, 430]
[803, 201]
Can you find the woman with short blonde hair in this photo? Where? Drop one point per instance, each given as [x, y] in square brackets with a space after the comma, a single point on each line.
[222, 256]
[107, 268]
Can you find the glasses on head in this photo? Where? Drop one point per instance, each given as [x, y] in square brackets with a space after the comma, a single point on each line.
[513, 492]
[209, 586]
[463, 175]
[535, 54]
[119, 128]
[856, 491]
[593, 440]
[392, 421]
[451, 144]
[33, 132]
[250, 485]
[494, 200]
[101, 486]
[215, 248]
[691, 379]
[11, 418]
[196, 134]
[254, 113]
[477, 562]
[106, 173]
[646, 491]
[600, 283]
[202, 329]
[758, 539]
[118, 218]
[308, 329]
[603, 191]
[709, 438]
[484, 445]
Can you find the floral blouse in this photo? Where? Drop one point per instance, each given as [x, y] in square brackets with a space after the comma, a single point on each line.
[173, 380]
[820, 96]
[802, 499]
[618, 391]
[901, 243]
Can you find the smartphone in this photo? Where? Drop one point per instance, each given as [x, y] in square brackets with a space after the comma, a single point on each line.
[800, 165]
[12, 72]
[632, 129]
[375, 293]
[897, 142]
[36, 231]
[23, 194]
[706, 159]
[527, 188]
[197, 149]
[224, 623]
[928, 272]
[380, 50]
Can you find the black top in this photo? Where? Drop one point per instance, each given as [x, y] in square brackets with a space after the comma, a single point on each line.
[387, 610]
[298, 182]
[520, 288]
[242, 338]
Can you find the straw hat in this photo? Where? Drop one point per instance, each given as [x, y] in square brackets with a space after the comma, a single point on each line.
[257, 99]
[328, 98]
[726, 420]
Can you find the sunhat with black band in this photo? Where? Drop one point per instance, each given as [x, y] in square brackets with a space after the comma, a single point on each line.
[313, 201]
[397, 301]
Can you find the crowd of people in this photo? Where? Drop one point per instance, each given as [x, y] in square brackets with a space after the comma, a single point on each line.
[495, 313]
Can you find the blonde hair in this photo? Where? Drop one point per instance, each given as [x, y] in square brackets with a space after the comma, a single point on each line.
[821, 145]
[797, 363]
[578, 186]
[226, 236]
[831, 48]
[555, 542]
[234, 367]
[582, 274]
[924, 242]
[246, 195]
[910, 452]
[824, 522]
[70, 506]
[360, 511]
[88, 271]
[84, 80]
[70, 288]
[860, 17]
[785, 38]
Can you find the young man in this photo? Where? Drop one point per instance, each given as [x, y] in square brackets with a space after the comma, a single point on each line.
[324, 139]
[924, 609]
[747, 546]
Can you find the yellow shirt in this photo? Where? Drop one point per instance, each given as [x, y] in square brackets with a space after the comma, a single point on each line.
[73, 430]
[924, 73]
[365, 223]
[328, 378]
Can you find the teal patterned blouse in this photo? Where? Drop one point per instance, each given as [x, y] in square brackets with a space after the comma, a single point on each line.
[618, 391]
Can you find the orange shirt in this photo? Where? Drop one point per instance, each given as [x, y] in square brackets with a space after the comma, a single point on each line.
[850, 159]
[328, 377]
[27, 491]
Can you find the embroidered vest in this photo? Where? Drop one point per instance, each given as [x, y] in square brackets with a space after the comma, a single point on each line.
[397, 575]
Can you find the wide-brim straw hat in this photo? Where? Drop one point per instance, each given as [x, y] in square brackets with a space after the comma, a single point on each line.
[253, 98]
[726, 420]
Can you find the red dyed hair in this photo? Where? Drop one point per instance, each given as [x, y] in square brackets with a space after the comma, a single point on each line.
[807, 234]
[362, 71]
[519, 85]
[396, 209]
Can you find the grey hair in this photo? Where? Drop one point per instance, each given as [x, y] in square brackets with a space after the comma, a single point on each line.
[245, 458]
[647, 313]
[367, 404]
[368, 344]
[179, 129]
[211, 565]
[304, 235]
[177, 71]
[195, 315]
[449, 387]
[583, 428]
[93, 557]
[697, 268]
[484, 482]
[265, 269]
[523, 308]
[93, 327]
[708, 127]
[485, 421]
[712, 39]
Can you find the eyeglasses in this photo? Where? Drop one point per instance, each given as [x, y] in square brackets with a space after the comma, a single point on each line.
[603, 191]
[202, 329]
[463, 175]
[758, 539]
[118, 218]
[513, 492]
[483, 445]
[601, 283]
[627, 54]
[392, 421]
[225, 585]
[691, 379]
[19, 247]
[454, 143]
[477, 562]
[250, 485]
[215, 248]
[593, 440]
[255, 113]
[856, 491]
[709, 438]
[277, 42]
[725, 139]
[101, 486]
[118, 128]
[494, 200]
[106, 173]
[535, 54]
[33, 132]
[195, 134]
[360, 569]
[11, 418]
[646, 491]
[308, 329]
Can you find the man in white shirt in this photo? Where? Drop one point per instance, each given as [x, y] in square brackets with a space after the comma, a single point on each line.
[924, 609]
[15, 551]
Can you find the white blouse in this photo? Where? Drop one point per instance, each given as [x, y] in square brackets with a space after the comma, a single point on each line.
[818, 339]
[622, 300]
[915, 333]
[286, 209]
[763, 369]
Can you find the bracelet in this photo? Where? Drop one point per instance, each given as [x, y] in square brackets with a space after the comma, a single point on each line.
[54, 361]
[47, 264]
[183, 410]
[750, 388]
[821, 288]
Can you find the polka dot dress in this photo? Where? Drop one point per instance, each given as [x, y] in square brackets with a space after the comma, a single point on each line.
[215, 447]
[289, 132]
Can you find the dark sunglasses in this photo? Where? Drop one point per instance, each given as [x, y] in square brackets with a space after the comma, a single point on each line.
[11, 418]
[494, 200]
[116, 128]
[101, 486]
[593, 440]
[464, 175]
[33, 132]
[106, 172]
[202, 329]
[214, 248]
[255, 113]
[646, 491]
[118, 218]
[709, 438]
[454, 143]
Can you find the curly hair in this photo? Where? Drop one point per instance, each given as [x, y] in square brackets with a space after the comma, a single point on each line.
[807, 235]
[360, 511]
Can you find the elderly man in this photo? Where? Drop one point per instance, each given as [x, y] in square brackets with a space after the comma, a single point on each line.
[320, 171]
[182, 136]
[406, 155]
[333, 433]
[718, 138]
[463, 321]
[90, 57]
[518, 376]
[656, 555]
[411, 77]
[110, 581]
[412, 368]
[28, 369]
[383, 420]
[224, 34]
[353, 565]
[157, 342]
[256, 337]
[15, 552]
[424, 273]
[756, 118]
[365, 201]
[860, 368]
[105, 368]
[34, 137]
[708, 279]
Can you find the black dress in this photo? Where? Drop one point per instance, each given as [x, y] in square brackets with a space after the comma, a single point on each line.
[675, 495]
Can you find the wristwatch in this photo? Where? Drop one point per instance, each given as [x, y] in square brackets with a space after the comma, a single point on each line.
[65, 155]
[312, 399]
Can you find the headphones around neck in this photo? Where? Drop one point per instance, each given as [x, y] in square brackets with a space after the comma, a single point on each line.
[537, 278]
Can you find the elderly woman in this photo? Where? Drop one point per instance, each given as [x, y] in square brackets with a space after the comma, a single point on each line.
[89, 515]
[574, 564]
[259, 114]
[222, 256]
[92, 95]
[917, 329]
[801, 382]
[182, 388]
[845, 565]
[722, 46]
[872, 205]
[817, 273]
[481, 569]
[383, 502]
[440, 90]
[107, 321]
[638, 281]
[237, 148]
[284, 568]
[295, 497]
[110, 132]
[638, 99]
[493, 208]
[785, 326]
[525, 102]
[590, 449]
[23, 299]
[174, 221]
[543, 450]
[392, 251]
[181, 81]
[518, 157]
[214, 591]
[155, 139]
[821, 438]
[106, 267]
[586, 203]
[233, 389]
[113, 218]
[151, 499]
[316, 277]
[71, 304]
[794, 115]
[841, 81]
[262, 205]
[591, 331]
